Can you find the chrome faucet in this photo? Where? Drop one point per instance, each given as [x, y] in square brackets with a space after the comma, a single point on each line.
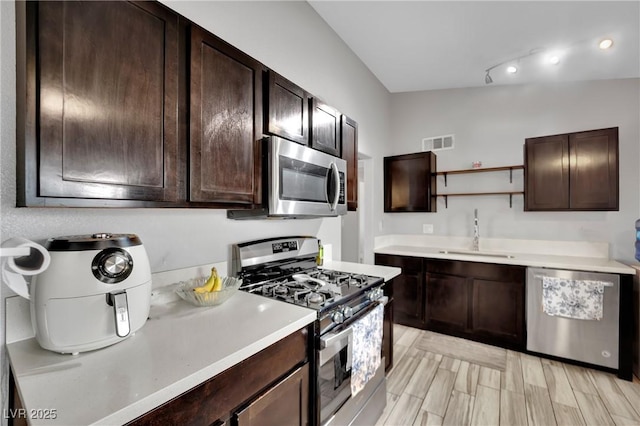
[476, 235]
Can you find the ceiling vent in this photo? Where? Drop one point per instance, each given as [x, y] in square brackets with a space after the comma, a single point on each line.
[437, 143]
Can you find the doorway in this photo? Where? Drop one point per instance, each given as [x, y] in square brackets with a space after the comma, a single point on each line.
[355, 238]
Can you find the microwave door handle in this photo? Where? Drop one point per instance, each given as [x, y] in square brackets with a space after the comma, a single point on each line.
[336, 177]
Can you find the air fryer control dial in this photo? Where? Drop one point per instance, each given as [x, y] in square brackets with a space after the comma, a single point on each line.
[112, 265]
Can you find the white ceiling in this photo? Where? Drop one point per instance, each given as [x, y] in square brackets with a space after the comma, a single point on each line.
[428, 45]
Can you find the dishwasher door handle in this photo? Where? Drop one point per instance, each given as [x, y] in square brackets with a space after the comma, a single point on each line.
[606, 283]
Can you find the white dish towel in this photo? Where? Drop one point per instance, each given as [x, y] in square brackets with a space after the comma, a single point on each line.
[366, 348]
[578, 299]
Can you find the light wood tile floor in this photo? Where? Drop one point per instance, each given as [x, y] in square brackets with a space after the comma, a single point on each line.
[429, 388]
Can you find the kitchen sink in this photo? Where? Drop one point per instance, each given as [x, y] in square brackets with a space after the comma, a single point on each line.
[477, 253]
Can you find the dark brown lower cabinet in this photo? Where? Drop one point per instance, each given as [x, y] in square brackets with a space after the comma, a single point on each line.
[271, 387]
[408, 289]
[479, 301]
[287, 401]
[498, 310]
[447, 302]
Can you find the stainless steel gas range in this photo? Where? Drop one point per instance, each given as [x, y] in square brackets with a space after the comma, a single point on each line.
[286, 269]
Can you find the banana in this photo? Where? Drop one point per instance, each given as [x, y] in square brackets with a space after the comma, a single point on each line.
[211, 283]
[218, 285]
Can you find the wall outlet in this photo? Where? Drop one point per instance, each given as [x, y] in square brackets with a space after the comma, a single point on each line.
[427, 228]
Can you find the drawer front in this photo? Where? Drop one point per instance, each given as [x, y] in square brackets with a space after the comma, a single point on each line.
[408, 264]
[478, 270]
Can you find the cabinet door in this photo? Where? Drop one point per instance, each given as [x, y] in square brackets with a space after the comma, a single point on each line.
[408, 290]
[447, 302]
[349, 139]
[409, 183]
[387, 336]
[546, 173]
[288, 109]
[498, 310]
[287, 402]
[225, 123]
[325, 129]
[108, 96]
[594, 170]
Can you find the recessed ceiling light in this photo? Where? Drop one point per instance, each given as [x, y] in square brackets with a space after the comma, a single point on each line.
[512, 69]
[605, 44]
[553, 59]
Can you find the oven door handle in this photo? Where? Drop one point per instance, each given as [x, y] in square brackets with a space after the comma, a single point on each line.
[330, 339]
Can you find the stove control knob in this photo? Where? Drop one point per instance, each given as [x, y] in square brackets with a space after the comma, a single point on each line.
[372, 295]
[347, 312]
[375, 294]
[337, 317]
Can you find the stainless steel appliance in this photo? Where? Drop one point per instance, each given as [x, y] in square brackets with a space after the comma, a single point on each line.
[95, 293]
[299, 182]
[285, 269]
[591, 341]
[636, 322]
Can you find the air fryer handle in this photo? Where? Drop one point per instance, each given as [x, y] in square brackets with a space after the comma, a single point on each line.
[121, 313]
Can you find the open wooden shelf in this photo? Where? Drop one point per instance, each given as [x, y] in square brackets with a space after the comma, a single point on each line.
[480, 170]
[470, 194]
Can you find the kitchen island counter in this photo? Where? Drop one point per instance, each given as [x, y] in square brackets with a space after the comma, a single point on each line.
[178, 348]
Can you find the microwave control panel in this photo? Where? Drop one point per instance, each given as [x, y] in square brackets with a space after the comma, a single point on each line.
[341, 197]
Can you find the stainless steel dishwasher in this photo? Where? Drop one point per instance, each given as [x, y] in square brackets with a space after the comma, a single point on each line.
[591, 341]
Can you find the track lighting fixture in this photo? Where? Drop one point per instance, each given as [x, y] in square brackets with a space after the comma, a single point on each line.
[511, 69]
[553, 58]
[605, 44]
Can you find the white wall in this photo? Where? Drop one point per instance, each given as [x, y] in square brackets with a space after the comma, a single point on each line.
[490, 125]
[286, 36]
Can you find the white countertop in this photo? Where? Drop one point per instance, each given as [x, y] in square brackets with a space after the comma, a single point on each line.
[178, 348]
[386, 272]
[595, 264]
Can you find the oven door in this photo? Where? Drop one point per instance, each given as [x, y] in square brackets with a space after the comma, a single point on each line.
[334, 372]
[305, 182]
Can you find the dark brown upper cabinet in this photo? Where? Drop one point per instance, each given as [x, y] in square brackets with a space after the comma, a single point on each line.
[287, 112]
[98, 116]
[410, 182]
[349, 138]
[573, 171]
[225, 122]
[325, 128]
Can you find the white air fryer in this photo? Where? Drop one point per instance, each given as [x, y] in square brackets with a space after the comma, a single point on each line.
[96, 292]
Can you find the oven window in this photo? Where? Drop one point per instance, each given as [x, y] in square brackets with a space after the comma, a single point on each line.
[300, 181]
[335, 383]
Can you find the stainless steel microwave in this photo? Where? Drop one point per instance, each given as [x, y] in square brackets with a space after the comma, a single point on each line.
[299, 182]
